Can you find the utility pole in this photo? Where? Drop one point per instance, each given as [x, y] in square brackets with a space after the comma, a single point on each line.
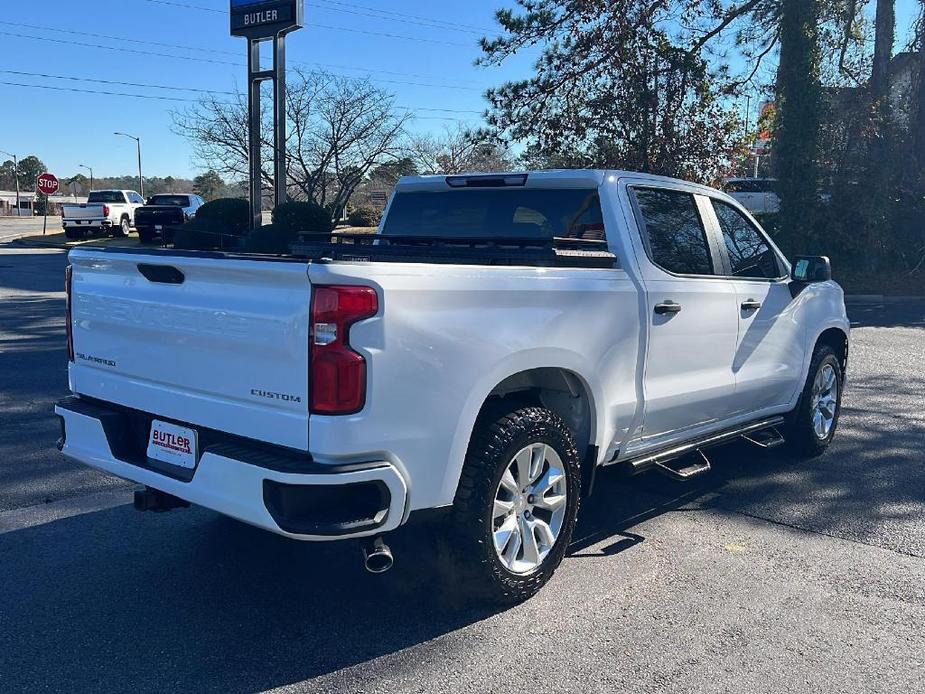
[141, 180]
[90, 169]
[16, 178]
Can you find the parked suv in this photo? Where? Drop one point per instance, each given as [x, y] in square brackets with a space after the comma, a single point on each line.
[497, 342]
[163, 212]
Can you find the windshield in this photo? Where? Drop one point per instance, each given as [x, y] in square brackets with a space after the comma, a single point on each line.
[511, 213]
[106, 196]
[172, 200]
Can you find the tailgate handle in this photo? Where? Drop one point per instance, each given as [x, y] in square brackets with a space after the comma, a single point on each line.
[164, 274]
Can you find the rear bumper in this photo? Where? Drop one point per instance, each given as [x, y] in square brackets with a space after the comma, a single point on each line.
[86, 223]
[276, 493]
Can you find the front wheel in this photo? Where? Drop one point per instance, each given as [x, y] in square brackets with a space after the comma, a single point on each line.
[517, 503]
[811, 426]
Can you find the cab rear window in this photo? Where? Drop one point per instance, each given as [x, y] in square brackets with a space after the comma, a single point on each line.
[106, 196]
[503, 213]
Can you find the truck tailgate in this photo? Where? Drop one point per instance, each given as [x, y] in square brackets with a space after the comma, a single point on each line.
[211, 341]
[83, 211]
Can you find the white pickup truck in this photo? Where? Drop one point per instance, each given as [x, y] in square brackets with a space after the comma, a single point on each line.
[500, 339]
[105, 211]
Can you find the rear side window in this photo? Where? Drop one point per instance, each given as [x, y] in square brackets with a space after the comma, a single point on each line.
[749, 254]
[512, 213]
[674, 233]
[115, 196]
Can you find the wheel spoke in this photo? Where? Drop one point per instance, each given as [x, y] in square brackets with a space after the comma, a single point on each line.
[548, 481]
[531, 551]
[509, 483]
[512, 549]
[546, 536]
[524, 460]
[504, 534]
[829, 378]
[537, 460]
[502, 508]
[550, 502]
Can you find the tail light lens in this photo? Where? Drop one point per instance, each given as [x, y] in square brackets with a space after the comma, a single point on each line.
[105, 210]
[68, 274]
[338, 374]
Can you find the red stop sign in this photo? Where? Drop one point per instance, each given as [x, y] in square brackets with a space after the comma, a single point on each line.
[48, 184]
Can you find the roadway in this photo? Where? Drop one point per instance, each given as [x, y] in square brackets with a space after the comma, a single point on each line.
[768, 575]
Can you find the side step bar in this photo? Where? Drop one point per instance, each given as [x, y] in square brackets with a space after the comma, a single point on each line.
[762, 433]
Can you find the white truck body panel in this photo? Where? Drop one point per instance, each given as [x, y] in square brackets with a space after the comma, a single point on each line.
[445, 337]
[91, 214]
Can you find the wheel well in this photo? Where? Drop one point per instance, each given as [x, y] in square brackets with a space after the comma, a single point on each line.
[559, 390]
[838, 341]
[125, 217]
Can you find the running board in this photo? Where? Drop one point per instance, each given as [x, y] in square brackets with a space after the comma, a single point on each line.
[683, 474]
[749, 432]
[766, 438]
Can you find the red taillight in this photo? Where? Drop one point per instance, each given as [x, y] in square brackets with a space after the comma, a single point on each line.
[338, 374]
[68, 274]
[105, 210]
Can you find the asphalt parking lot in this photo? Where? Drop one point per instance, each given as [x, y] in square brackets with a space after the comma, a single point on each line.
[770, 575]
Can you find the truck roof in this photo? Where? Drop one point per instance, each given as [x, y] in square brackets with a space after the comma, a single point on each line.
[554, 178]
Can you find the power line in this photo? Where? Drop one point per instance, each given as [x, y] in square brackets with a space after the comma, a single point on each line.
[323, 26]
[197, 90]
[209, 50]
[445, 23]
[180, 99]
[114, 82]
[122, 49]
[119, 38]
[384, 14]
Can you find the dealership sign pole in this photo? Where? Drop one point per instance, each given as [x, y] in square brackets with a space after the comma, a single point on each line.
[259, 21]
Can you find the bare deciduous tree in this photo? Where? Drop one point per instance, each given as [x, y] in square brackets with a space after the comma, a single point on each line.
[459, 150]
[338, 129]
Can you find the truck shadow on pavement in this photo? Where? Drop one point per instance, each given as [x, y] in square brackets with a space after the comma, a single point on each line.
[115, 599]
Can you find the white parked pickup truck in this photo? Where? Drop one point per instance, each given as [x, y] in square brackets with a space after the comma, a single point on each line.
[500, 339]
[105, 211]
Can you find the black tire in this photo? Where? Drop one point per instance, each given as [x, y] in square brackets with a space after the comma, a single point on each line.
[495, 442]
[801, 436]
[72, 234]
[121, 231]
[145, 236]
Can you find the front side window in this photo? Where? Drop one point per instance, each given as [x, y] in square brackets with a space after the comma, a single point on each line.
[749, 254]
[674, 232]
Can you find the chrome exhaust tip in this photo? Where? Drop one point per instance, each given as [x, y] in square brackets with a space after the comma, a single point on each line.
[377, 557]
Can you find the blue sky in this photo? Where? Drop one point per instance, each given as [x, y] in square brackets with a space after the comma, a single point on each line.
[428, 67]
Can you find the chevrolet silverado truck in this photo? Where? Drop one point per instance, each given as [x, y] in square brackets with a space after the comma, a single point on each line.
[161, 213]
[500, 339]
[106, 211]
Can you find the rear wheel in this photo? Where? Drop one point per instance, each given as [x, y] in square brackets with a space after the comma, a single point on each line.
[123, 229]
[517, 503]
[811, 426]
[73, 234]
[145, 236]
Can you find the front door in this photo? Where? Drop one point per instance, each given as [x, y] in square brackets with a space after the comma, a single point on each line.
[692, 316]
[769, 349]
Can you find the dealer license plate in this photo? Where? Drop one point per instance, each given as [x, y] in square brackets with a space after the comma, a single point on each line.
[173, 444]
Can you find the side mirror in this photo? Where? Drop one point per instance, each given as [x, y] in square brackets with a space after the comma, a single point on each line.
[811, 268]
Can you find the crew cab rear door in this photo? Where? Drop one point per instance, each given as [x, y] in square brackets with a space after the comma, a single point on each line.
[691, 312]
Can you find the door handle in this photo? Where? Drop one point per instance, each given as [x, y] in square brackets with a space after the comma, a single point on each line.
[751, 305]
[667, 307]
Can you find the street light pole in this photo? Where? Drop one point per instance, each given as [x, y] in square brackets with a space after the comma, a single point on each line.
[16, 178]
[141, 180]
[90, 169]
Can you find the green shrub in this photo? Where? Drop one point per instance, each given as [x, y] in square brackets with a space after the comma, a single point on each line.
[273, 239]
[302, 216]
[364, 216]
[230, 214]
